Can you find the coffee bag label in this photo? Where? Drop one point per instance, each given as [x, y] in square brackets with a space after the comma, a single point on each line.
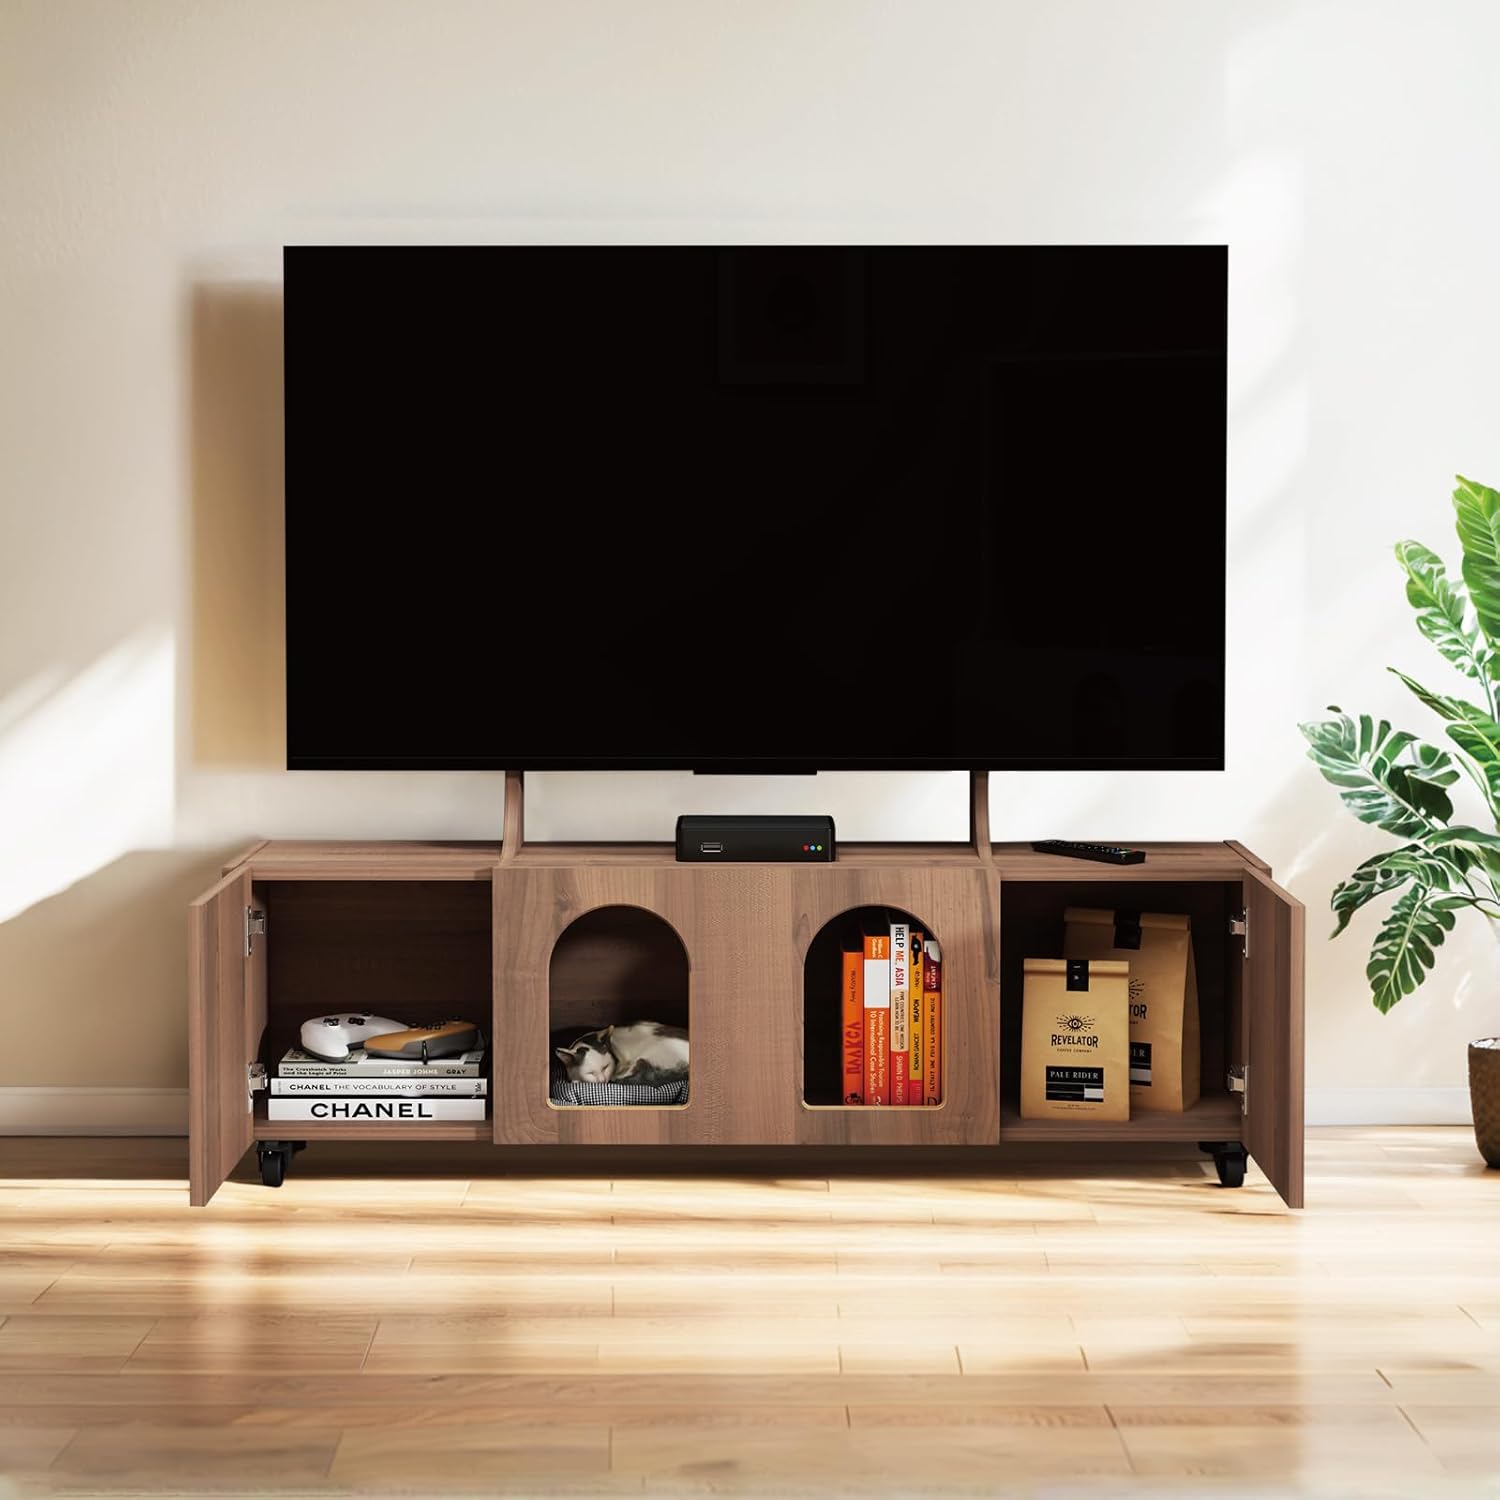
[1075, 1057]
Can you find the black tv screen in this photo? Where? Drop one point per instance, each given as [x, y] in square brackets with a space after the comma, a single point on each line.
[755, 508]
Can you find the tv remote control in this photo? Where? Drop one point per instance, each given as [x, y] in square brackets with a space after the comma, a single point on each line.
[1104, 854]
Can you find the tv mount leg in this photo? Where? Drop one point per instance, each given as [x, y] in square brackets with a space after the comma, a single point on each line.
[979, 814]
[514, 830]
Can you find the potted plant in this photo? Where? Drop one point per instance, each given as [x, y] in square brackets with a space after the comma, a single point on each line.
[1399, 783]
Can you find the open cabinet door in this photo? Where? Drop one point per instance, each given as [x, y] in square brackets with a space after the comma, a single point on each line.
[1274, 958]
[226, 1016]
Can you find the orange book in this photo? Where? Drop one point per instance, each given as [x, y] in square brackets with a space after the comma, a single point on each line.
[854, 1025]
[932, 1023]
[900, 1012]
[916, 1058]
[877, 998]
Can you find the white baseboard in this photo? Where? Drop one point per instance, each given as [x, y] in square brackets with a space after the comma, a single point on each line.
[93, 1111]
[1449, 1106]
[126, 1111]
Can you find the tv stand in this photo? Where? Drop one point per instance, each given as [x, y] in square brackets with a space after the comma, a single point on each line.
[543, 936]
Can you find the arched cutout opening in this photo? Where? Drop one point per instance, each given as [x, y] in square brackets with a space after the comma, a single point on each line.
[613, 966]
[825, 1039]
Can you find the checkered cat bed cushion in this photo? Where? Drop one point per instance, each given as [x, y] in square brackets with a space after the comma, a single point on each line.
[565, 1091]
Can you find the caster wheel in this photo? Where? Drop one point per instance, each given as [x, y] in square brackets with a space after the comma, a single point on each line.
[274, 1156]
[1229, 1161]
[1231, 1170]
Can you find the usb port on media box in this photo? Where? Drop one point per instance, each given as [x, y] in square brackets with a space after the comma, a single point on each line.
[711, 846]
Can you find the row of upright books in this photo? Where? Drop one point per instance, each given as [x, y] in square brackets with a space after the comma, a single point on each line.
[378, 1090]
[893, 1017]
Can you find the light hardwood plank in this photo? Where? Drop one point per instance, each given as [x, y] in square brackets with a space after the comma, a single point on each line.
[194, 1459]
[474, 1456]
[1104, 1326]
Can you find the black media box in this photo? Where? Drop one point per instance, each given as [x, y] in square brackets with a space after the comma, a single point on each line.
[702, 839]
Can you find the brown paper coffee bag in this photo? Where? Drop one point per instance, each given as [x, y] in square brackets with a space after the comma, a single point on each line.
[1158, 946]
[1075, 1040]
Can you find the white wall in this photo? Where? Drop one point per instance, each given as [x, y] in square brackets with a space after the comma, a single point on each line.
[154, 156]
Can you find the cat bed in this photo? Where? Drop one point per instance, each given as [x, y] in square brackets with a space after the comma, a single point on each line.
[565, 1090]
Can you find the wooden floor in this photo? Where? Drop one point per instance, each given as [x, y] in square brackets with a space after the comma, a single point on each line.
[1127, 1329]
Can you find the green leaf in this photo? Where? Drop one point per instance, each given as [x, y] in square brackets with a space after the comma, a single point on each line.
[1477, 510]
[1364, 885]
[1442, 610]
[1395, 867]
[1472, 730]
[1405, 947]
[1461, 833]
[1362, 759]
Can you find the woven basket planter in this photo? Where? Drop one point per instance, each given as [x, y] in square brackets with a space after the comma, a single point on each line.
[1484, 1094]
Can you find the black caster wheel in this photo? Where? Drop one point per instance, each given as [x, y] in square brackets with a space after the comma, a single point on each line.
[274, 1156]
[1229, 1161]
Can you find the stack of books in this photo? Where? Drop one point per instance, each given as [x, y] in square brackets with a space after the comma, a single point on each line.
[378, 1090]
[893, 1017]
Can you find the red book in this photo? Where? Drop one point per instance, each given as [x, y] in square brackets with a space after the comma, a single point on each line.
[900, 1012]
[917, 1059]
[877, 997]
[932, 1023]
[854, 1025]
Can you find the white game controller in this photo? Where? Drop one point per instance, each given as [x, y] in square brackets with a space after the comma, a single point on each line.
[330, 1038]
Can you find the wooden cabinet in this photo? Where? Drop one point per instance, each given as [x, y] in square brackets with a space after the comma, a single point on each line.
[226, 1018]
[559, 938]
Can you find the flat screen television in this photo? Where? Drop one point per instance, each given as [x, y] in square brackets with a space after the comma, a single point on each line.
[759, 508]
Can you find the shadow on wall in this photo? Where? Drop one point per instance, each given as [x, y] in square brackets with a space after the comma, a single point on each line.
[101, 971]
[237, 689]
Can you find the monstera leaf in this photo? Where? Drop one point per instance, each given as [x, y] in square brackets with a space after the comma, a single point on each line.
[1363, 758]
[1478, 513]
[1442, 610]
[1473, 731]
[1396, 867]
[1405, 947]
[1461, 835]
[1395, 781]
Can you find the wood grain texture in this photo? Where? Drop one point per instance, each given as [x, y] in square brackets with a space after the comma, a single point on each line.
[1274, 972]
[428, 931]
[514, 827]
[1208, 861]
[226, 1016]
[244, 855]
[570, 856]
[959, 907]
[353, 859]
[1248, 856]
[533, 911]
[979, 814]
[1214, 1117]
[1077, 1326]
[745, 930]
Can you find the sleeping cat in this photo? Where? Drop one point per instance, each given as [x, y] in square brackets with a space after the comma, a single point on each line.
[642, 1052]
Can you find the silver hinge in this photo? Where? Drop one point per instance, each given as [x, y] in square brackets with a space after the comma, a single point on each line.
[255, 926]
[1235, 1080]
[255, 1081]
[1239, 926]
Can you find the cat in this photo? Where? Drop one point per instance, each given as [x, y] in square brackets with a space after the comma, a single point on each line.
[642, 1052]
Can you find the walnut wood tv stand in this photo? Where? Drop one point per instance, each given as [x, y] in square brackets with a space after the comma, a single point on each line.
[553, 936]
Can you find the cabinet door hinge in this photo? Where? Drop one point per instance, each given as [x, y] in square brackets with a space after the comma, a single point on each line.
[255, 926]
[255, 1081]
[1236, 1081]
[1239, 926]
